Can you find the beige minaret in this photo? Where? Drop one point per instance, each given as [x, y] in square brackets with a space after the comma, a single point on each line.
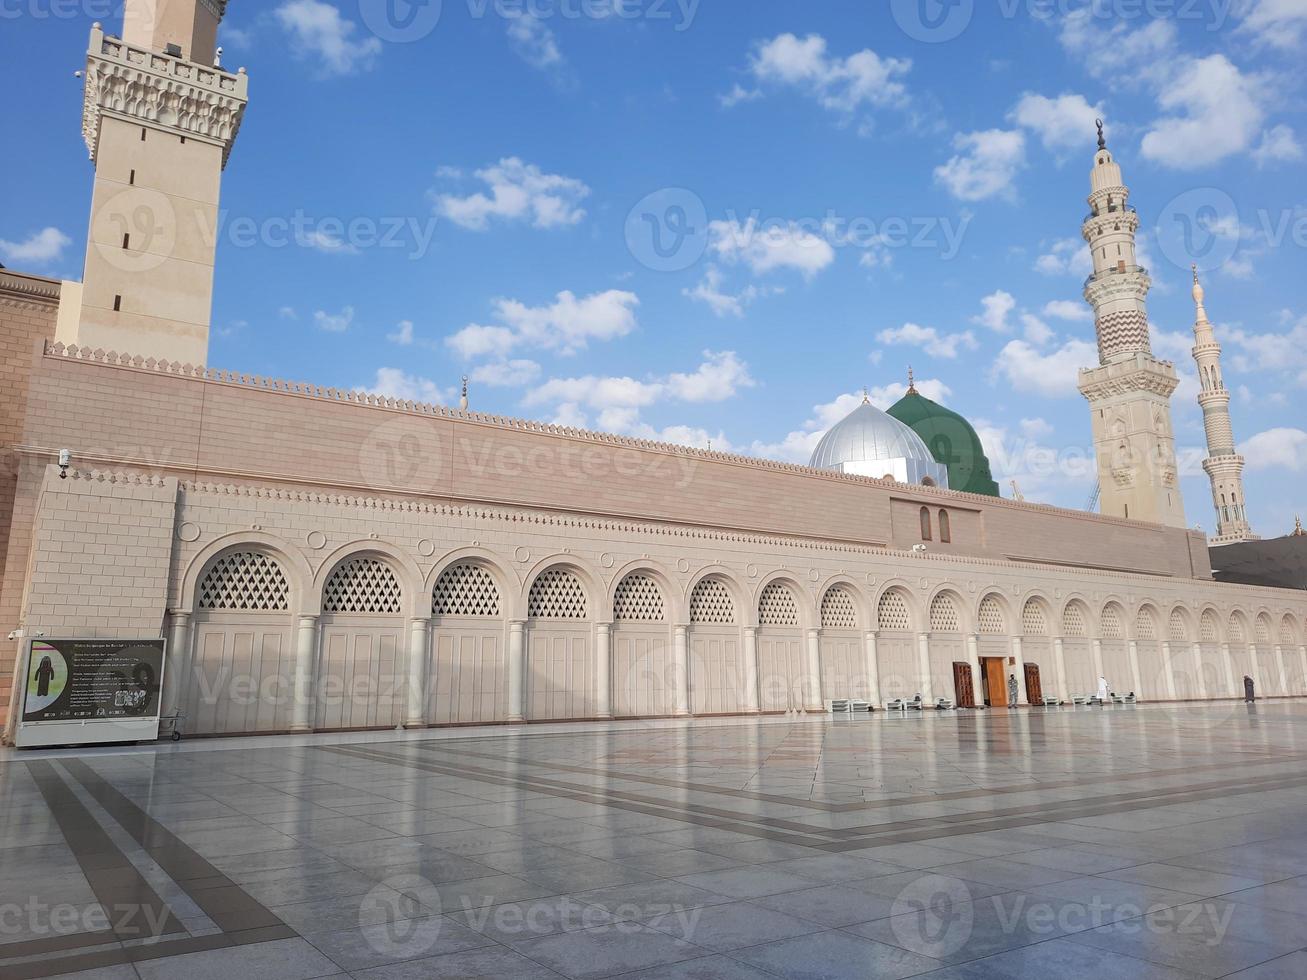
[159, 120]
[1224, 465]
[1130, 391]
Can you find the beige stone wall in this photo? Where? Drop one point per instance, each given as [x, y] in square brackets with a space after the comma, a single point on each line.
[28, 310]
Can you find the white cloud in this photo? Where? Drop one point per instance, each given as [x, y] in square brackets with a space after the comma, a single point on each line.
[518, 192]
[534, 41]
[1036, 330]
[1052, 375]
[844, 85]
[324, 241]
[396, 383]
[1279, 23]
[288, 313]
[1063, 124]
[507, 374]
[40, 248]
[567, 325]
[1284, 449]
[767, 247]
[334, 322]
[710, 292]
[1277, 352]
[1279, 145]
[1067, 256]
[1111, 50]
[998, 306]
[1069, 309]
[929, 339]
[1036, 428]
[739, 94]
[1215, 111]
[403, 335]
[318, 32]
[985, 166]
[718, 378]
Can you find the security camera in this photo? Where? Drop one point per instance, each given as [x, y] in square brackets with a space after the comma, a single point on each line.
[918, 549]
[65, 461]
[15, 634]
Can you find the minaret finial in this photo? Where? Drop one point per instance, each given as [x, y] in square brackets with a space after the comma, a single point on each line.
[912, 382]
[462, 402]
[1102, 140]
[1298, 532]
[1200, 296]
[866, 395]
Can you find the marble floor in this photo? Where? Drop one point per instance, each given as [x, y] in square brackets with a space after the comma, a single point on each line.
[1117, 842]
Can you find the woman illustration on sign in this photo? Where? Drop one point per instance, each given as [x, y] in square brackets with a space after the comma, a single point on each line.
[44, 675]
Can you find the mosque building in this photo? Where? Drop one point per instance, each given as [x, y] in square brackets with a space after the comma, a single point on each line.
[322, 559]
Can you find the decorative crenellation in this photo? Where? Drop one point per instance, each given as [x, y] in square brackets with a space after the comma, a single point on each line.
[132, 82]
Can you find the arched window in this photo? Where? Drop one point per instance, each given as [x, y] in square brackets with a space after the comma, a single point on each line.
[1210, 628]
[925, 524]
[465, 590]
[556, 594]
[991, 616]
[362, 585]
[777, 606]
[1146, 624]
[838, 610]
[945, 527]
[244, 580]
[711, 603]
[639, 600]
[1112, 625]
[944, 616]
[1074, 621]
[1033, 620]
[1179, 627]
[893, 615]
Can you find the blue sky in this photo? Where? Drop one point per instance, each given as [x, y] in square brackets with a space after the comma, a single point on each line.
[839, 189]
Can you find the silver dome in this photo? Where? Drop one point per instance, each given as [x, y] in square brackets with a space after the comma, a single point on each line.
[871, 443]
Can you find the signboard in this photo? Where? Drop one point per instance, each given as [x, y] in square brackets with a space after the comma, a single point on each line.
[80, 691]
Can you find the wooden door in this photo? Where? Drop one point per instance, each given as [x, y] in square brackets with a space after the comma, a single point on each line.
[996, 681]
[1034, 690]
[964, 691]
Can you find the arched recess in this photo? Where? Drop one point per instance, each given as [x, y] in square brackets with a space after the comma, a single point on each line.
[643, 676]
[842, 612]
[469, 614]
[1077, 648]
[362, 665]
[948, 646]
[897, 620]
[1239, 637]
[717, 609]
[1217, 672]
[1153, 667]
[1295, 660]
[242, 669]
[782, 677]
[1037, 646]
[1264, 650]
[561, 669]
[1116, 656]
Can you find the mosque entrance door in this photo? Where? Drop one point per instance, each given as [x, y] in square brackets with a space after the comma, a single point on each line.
[995, 682]
[1034, 688]
[964, 690]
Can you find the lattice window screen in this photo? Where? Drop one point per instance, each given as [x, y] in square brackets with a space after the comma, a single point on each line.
[1074, 622]
[944, 616]
[893, 614]
[556, 594]
[1288, 632]
[1211, 632]
[466, 590]
[362, 585]
[1263, 628]
[1237, 633]
[246, 580]
[1033, 620]
[711, 604]
[838, 610]
[1179, 626]
[1146, 625]
[777, 606]
[639, 600]
[1113, 625]
[991, 616]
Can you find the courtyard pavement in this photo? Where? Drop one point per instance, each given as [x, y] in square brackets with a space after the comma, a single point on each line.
[1119, 842]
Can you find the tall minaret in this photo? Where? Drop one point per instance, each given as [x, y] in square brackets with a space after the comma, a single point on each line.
[1130, 391]
[1224, 465]
[159, 120]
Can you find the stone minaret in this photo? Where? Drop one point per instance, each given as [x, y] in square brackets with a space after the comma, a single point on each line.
[1224, 465]
[159, 120]
[1130, 391]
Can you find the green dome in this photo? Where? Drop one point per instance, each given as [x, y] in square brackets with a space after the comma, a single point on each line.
[952, 441]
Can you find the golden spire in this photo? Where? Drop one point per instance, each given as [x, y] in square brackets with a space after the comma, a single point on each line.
[1298, 532]
[912, 382]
